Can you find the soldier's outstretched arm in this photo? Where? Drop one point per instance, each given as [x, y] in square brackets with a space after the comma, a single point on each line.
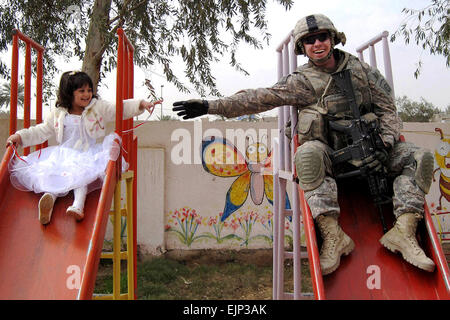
[288, 91]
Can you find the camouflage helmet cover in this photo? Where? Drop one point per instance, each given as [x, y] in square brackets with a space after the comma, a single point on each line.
[314, 23]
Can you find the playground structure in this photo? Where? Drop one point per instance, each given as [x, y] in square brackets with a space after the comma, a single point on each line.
[352, 280]
[60, 260]
[39, 262]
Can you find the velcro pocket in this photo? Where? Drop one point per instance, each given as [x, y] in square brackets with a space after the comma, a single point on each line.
[306, 119]
[311, 126]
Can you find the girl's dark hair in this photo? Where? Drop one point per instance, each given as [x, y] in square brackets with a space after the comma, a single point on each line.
[71, 81]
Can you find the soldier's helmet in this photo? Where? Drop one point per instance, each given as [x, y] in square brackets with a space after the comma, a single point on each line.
[314, 23]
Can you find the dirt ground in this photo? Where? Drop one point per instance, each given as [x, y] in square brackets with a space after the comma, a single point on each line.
[207, 274]
[258, 257]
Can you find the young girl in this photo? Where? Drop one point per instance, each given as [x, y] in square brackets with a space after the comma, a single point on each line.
[77, 163]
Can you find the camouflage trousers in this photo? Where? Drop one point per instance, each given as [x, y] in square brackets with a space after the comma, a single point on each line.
[407, 196]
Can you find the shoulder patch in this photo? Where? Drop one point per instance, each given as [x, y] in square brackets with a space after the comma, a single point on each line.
[375, 76]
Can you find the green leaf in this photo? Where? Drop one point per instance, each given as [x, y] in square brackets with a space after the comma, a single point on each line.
[159, 30]
[421, 25]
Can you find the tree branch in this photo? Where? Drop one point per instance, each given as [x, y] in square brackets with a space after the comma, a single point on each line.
[106, 44]
[120, 24]
[120, 15]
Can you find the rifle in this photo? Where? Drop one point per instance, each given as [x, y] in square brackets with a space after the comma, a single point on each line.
[364, 139]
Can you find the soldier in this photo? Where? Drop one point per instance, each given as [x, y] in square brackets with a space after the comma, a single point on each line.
[311, 89]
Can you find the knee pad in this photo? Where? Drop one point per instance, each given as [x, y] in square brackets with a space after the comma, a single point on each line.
[424, 170]
[310, 168]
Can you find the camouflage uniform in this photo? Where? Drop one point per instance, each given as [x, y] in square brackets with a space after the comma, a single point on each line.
[310, 90]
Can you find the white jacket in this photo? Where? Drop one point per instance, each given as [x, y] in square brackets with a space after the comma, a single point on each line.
[94, 118]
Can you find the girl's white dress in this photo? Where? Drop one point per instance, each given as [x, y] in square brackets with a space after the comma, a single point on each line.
[78, 161]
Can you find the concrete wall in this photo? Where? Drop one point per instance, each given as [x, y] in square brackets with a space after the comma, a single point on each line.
[193, 198]
[180, 203]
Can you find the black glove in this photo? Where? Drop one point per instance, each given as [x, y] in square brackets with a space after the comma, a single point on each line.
[375, 163]
[191, 108]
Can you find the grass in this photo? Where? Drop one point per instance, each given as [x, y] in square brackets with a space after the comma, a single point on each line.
[168, 279]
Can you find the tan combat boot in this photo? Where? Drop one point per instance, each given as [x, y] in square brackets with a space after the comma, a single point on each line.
[402, 238]
[335, 243]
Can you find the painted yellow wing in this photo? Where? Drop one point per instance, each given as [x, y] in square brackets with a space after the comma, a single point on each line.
[221, 158]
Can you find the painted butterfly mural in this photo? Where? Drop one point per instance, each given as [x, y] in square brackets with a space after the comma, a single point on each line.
[254, 171]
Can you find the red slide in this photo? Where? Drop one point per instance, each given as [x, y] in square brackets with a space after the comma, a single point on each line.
[371, 271]
[56, 261]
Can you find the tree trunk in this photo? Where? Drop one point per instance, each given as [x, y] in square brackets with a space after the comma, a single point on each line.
[96, 39]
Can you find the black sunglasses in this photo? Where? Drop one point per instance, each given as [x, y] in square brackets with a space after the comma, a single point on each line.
[312, 39]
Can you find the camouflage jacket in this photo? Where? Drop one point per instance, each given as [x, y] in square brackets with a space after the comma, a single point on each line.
[298, 89]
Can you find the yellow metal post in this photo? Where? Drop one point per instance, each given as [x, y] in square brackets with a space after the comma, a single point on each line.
[117, 255]
[116, 241]
[130, 247]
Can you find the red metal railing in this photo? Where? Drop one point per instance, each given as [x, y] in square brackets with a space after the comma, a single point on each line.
[124, 90]
[29, 44]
